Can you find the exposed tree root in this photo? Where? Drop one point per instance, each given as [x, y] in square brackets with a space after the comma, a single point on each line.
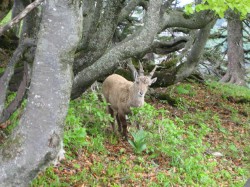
[233, 78]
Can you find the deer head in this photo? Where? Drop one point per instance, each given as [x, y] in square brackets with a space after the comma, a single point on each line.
[141, 82]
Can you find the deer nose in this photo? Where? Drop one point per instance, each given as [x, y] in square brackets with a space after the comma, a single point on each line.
[140, 93]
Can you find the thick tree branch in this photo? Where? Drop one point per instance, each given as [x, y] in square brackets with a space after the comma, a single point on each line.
[20, 16]
[4, 80]
[91, 15]
[19, 97]
[139, 42]
[175, 18]
[101, 39]
[128, 9]
[160, 47]
[185, 69]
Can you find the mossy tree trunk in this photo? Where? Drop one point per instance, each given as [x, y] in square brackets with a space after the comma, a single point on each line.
[37, 139]
[235, 70]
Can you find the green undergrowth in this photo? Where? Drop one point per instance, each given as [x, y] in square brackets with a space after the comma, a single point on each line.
[166, 151]
[230, 91]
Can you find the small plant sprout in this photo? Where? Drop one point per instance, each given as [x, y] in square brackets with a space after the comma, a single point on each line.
[138, 143]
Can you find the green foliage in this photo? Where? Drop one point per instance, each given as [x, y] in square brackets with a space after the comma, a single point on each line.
[221, 6]
[183, 89]
[183, 146]
[170, 150]
[75, 134]
[139, 141]
[83, 113]
[143, 114]
[230, 90]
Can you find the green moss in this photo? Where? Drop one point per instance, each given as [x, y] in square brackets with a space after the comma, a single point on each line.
[170, 63]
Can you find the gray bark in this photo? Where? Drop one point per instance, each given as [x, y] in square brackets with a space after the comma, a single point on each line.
[185, 69]
[175, 18]
[165, 47]
[4, 80]
[16, 9]
[235, 53]
[20, 16]
[91, 14]
[28, 39]
[35, 143]
[128, 9]
[136, 44]
[15, 103]
[31, 22]
[101, 39]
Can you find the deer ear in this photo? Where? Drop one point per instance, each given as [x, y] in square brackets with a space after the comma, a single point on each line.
[135, 75]
[153, 80]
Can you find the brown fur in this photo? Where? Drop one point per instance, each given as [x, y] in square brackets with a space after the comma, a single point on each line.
[123, 94]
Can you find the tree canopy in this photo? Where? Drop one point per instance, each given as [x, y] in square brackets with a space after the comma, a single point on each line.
[221, 7]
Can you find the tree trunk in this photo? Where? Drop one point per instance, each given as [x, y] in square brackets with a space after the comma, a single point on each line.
[235, 53]
[184, 70]
[138, 43]
[35, 143]
[28, 37]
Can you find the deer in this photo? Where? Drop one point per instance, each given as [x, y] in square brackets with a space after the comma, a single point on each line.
[121, 95]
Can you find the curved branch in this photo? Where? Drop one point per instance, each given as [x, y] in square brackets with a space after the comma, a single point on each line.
[185, 69]
[20, 16]
[101, 39]
[176, 18]
[139, 42]
[128, 9]
[19, 97]
[176, 44]
[4, 80]
[91, 13]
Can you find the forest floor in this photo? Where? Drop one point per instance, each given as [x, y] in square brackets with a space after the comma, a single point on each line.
[200, 139]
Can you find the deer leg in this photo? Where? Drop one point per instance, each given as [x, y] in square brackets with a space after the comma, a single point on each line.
[119, 123]
[124, 125]
[112, 115]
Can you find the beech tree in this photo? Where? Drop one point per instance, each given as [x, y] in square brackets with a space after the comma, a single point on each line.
[234, 12]
[37, 139]
[235, 52]
[63, 47]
